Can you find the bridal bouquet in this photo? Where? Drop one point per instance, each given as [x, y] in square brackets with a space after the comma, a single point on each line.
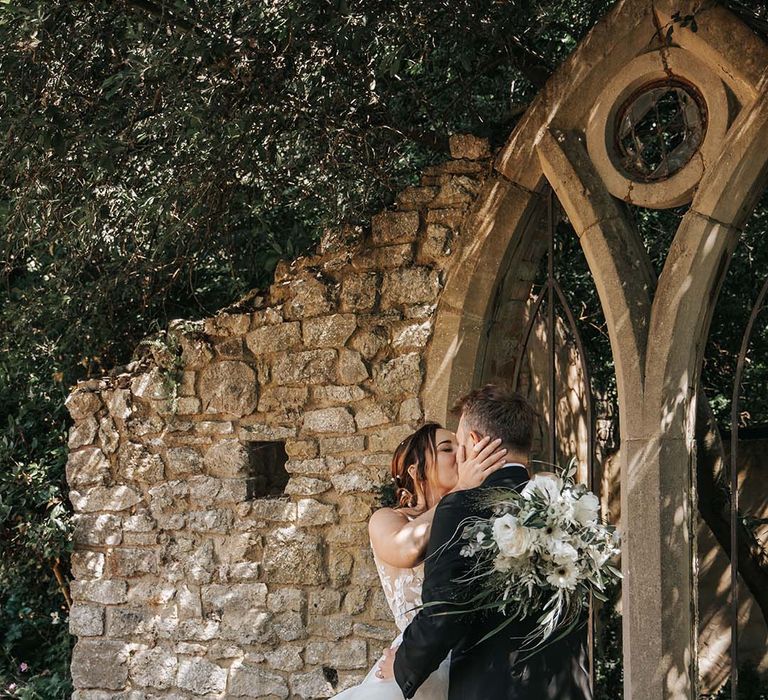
[542, 551]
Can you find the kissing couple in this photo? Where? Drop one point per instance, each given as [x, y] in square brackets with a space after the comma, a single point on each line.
[444, 652]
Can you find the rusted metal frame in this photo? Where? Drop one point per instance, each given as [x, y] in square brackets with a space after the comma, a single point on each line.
[735, 416]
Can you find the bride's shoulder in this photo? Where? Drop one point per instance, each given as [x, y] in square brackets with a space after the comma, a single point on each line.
[388, 519]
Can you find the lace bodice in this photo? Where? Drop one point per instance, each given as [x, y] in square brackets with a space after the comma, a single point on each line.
[402, 588]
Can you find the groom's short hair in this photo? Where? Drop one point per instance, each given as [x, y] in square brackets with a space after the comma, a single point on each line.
[496, 411]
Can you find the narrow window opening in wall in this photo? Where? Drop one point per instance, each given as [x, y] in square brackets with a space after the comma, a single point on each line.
[331, 675]
[267, 475]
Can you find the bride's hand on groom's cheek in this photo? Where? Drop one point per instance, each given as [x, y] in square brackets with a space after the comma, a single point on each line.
[386, 670]
[485, 458]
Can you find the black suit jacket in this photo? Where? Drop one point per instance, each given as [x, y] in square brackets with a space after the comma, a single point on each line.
[486, 671]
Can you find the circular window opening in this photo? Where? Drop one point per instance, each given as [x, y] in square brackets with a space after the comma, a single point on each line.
[658, 130]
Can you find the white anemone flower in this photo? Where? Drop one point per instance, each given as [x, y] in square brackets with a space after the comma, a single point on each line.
[564, 575]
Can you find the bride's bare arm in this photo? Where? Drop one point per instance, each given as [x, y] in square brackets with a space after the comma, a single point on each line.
[397, 540]
[402, 542]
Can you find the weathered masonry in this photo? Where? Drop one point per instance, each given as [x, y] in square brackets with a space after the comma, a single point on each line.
[223, 482]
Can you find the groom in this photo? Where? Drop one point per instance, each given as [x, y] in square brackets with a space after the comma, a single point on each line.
[484, 670]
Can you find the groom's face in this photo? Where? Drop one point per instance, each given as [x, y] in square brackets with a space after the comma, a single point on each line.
[464, 436]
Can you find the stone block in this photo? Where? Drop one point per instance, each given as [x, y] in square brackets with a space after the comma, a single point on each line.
[409, 335]
[201, 677]
[150, 591]
[307, 367]
[369, 342]
[355, 509]
[276, 338]
[203, 490]
[352, 482]
[393, 227]
[416, 197]
[410, 285]
[126, 563]
[197, 630]
[340, 564]
[248, 628]
[136, 463]
[308, 297]
[86, 620]
[119, 403]
[97, 530]
[233, 597]
[154, 384]
[337, 395]
[355, 600]
[328, 331]
[123, 622]
[292, 599]
[100, 663]
[342, 445]
[81, 404]
[183, 461]
[370, 415]
[285, 658]
[312, 512]
[228, 458]
[410, 411]
[351, 368]
[319, 466]
[283, 399]
[225, 323]
[83, 433]
[294, 557]
[388, 439]
[265, 433]
[301, 449]
[154, 668]
[101, 498]
[306, 486]
[108, 435]
[214, 427]
[273, 510]
[196, 352]
[266, 317]
[188, 406]
[251, 682]
[346, 655]
[330, 626]
[218, 520]
[358, 292]
[380, 634]
[311, 685]
[87, 565]
[469, 147]
[87, 467]
[400, 376]
[289, 626]
[228, 387]
[324, 602]
[329, 420]
[391, 257]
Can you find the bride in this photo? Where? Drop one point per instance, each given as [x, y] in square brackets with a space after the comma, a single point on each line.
[426, 466]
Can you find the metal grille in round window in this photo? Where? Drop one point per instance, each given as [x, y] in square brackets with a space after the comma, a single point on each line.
[659, 129]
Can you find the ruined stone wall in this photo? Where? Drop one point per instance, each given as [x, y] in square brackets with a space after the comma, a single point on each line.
[184, 586]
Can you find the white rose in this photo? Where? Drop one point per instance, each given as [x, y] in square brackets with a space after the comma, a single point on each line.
[585, 510]
[549, 485]
[513, 539]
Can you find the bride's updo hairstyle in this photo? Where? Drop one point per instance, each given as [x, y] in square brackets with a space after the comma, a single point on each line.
[418, 448]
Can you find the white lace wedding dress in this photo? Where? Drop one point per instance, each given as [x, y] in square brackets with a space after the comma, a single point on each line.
[402, 588]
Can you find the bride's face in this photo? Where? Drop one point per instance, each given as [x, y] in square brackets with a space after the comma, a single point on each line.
[443, 475]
